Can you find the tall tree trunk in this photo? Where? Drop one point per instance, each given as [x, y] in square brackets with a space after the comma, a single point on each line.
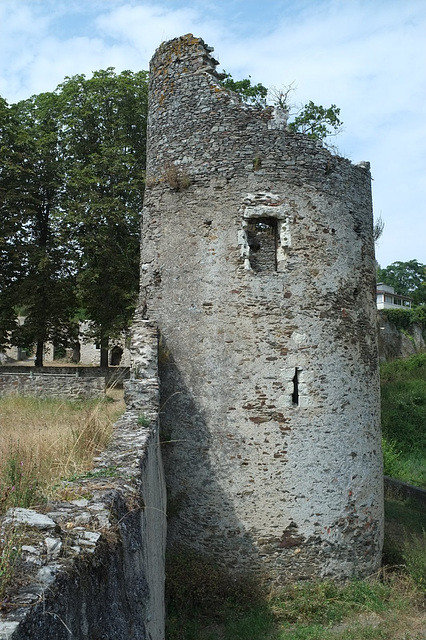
[104, 351]
[39, 354]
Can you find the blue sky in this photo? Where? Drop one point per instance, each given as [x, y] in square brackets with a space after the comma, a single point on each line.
[366, 56]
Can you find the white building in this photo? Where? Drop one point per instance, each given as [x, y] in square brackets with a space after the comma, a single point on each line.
[85, 352]
[388, 299]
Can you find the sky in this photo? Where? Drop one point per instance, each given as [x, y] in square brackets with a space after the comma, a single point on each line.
[368, 57]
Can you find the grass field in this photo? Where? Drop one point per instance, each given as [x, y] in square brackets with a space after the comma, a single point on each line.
[403, 387]
[46, 440]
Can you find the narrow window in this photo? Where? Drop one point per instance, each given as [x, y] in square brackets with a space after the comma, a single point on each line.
[262, 239]
[295, 394]
[116, 353]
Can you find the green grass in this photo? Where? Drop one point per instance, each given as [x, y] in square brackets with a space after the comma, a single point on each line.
[10, 550]
[376, 609]
[44, 440]
[403, 388]
[405, 539]
[205, 603]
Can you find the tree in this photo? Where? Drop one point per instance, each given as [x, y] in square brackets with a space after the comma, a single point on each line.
[316, 121]
[313, 120]
[249, 93]
[103, 124]
[31, 185]
[71, 191]
[10, 261]
[407, 278]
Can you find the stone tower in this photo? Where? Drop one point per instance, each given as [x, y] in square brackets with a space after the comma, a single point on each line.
[258, 267]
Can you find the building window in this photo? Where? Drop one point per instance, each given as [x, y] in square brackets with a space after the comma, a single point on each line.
[262, 238]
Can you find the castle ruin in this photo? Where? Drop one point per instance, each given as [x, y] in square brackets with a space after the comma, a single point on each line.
[258, 269]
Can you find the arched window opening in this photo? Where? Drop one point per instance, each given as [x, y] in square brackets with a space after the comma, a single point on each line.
[116, 353]
[262, 238]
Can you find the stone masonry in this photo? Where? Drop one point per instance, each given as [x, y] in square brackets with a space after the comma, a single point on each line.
[92, 564]
[45, 385]
[258, 267]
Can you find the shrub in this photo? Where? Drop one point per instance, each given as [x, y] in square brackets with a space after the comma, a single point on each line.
[176, 177]
[391, 458]
[405, 318]
[414, 555]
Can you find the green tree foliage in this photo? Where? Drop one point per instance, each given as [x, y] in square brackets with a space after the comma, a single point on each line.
[254, 94]
[407, 278]
[71, 191]
[35, 255]
[104, 139]
[9, 222]
[313, 120]
[316, 121]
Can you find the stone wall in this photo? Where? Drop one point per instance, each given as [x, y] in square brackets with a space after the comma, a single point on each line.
[90, 353]
[45, 385]
[112, 376]
[92, 566]
[394, 343]
[258, 266]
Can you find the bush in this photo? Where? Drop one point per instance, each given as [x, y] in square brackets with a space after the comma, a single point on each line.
[403, 387]
[391, 459]
[414, 556]
[405, 318]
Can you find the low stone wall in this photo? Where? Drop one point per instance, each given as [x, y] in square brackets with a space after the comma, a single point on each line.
[404, 491]
[92, 566]
[394, 343]
[114, 376]
[46, 385]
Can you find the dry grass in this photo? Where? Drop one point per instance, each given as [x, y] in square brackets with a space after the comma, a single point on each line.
[43, 441]
[176, 177]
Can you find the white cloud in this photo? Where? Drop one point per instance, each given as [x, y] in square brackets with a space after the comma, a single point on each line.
[20, 31]
[144, 26]
[366, 57]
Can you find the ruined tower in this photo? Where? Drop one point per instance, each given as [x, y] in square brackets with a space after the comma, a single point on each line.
[258, 267]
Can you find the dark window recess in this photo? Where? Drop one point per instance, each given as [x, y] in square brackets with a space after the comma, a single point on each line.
[295, 394]
[116, 353]
[262, 237]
